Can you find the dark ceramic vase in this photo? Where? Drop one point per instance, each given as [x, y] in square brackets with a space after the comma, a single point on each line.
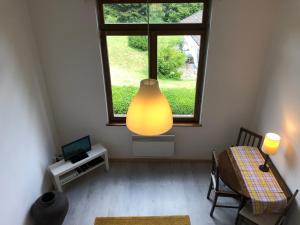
[50, 209]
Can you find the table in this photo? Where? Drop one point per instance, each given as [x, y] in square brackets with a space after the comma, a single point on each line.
[231, 179]
[228, 174]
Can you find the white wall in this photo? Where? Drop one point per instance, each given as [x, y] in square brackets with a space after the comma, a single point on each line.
[68, 39]
[279, 108]
[25, 134]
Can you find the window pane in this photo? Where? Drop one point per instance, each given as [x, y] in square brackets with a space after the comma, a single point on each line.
[177, 66]
[159, 13]
[128, 63]
[176, 12]
[125, 13]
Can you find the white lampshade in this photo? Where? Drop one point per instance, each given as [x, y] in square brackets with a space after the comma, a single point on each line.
[149, 112]
[271, 143]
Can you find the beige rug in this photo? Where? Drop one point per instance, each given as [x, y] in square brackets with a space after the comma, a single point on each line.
[147, 220]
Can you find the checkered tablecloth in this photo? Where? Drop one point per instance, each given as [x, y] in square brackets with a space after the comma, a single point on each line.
[265, 193]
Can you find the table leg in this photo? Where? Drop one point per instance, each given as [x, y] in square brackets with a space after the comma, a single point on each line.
[57, 184]
[106, 162]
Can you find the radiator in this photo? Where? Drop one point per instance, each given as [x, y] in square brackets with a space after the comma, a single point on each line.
[158, 146]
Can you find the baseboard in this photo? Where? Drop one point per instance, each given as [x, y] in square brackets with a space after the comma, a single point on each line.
[149, 159]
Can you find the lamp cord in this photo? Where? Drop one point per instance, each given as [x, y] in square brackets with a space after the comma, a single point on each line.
[148, 35]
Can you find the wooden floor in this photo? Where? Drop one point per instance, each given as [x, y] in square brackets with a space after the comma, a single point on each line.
[145, 189]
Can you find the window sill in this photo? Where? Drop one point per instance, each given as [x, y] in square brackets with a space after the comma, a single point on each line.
[191, 124]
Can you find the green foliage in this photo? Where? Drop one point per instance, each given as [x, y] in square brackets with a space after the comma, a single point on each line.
[138, 42]
[122, 96]
[159, 13]
[169, 61]
[125, 13]
[170, 41]
[181, 99]
[156, 13]
[174, 12]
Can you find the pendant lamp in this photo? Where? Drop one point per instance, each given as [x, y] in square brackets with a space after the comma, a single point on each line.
[149, 113]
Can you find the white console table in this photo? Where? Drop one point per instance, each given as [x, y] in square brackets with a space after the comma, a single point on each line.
[64, 172]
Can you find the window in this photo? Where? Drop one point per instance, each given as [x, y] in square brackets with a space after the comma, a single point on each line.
[159, 39]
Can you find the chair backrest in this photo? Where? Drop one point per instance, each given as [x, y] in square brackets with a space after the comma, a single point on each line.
[249, 138]
[290, 202]
[283, 216]
[215, 171]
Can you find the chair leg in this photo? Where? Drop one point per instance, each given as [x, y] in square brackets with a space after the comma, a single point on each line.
[238, 219]
[214, 205]
[209, 189]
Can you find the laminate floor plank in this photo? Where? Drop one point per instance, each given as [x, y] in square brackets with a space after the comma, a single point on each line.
[145, 189]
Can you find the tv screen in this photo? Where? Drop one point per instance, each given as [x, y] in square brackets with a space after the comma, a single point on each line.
[77, 147]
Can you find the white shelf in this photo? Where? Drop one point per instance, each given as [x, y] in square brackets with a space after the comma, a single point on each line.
[63, 182]
[64, 172]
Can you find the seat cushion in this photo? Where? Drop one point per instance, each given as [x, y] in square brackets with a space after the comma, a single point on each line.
[263, 219]
[224, 188]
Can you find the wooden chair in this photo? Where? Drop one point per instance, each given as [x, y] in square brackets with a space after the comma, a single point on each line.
[246, 215]
[249, 138]
[215, 186]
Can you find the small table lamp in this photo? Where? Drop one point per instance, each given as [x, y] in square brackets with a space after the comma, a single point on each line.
[270, 147]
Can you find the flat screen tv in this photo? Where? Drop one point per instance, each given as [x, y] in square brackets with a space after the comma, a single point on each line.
[76, 148]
